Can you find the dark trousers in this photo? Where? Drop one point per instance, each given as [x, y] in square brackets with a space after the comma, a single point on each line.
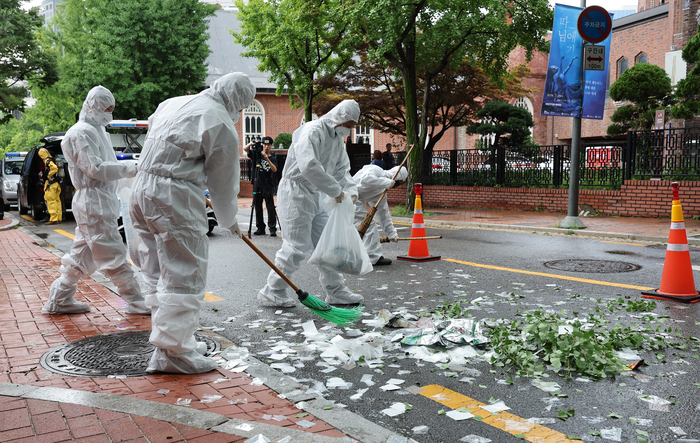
[267, 196]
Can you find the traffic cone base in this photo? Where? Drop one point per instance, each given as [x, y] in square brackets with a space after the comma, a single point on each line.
[418, 249]
[680, 298]
[677, 283]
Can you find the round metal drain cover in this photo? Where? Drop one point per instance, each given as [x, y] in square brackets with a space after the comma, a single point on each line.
[122, 353]
[592, 266]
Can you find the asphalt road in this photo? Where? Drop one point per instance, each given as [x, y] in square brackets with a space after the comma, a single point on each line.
[490, 275]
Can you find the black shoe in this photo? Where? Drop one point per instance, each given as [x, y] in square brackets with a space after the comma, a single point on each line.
[273, 233]
[259, 232]
[44, 220]
[382, 262]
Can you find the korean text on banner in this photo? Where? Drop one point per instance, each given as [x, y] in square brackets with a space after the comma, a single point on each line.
[595, 85]
[562, 91]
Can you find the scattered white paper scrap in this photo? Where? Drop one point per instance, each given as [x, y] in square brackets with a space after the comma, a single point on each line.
[258, 439]
[309, 328]
[305, 423]
[518, 426]
[395, 409]
[676, 430]
[614, 434]
[358, 394]
[471, 438]
[209, 398]
[367, 379]
[395, 381]
[162, 391]
[542, 421]
[183, 401]
[244, 427]
[422, 429]
[284, 367]
[459, 415]
[278, 356]
[390, 387]
[239, 369]
[496, 407]
[257, 382]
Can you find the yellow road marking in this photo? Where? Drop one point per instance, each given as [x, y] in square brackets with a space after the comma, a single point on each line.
[455, 400]
[211, 297]
[27, 217]
[67, 234]
[543, 274]
[620, 243]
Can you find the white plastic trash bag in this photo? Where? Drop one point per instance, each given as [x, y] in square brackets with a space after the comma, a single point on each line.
[340, 247]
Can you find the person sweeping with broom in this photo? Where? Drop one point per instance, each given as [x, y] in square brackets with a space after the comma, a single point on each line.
[371, 183]
[317, 164]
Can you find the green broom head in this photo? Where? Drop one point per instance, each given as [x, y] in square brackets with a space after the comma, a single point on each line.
[338, 316]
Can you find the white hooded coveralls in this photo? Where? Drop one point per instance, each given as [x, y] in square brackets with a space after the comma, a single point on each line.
[95, 172]
[316, 164]
[371, 182]
[191, 144]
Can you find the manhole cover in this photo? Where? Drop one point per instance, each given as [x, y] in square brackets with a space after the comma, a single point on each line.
[592, 266]
[122, 353]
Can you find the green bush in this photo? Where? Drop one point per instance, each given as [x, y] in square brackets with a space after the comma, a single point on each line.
[284, 139]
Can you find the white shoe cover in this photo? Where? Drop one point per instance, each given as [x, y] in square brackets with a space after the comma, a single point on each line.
[273, 300]
[71, 306]
[138, 308]
[343, 296]
[187, 363]
[201, 348]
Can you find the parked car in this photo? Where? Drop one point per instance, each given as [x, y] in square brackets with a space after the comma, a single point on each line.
[513, 162]
[440, 164]
[10, 170]
[30, 190]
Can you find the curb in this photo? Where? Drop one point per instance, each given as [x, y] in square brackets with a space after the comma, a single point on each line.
[537, 229]
[13, 222]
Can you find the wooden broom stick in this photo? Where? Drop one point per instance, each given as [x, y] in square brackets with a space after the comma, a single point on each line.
[373, 210]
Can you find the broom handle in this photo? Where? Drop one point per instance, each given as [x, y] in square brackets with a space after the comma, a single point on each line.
[270, 264]
[376, 205]
[420, 238]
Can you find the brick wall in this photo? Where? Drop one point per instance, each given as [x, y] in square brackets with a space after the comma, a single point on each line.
[634, 199]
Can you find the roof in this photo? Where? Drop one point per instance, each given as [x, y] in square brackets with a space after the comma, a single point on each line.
[640, 18]
[226, 55]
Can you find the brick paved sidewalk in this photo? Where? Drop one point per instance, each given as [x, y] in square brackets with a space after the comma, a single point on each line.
[26, 272]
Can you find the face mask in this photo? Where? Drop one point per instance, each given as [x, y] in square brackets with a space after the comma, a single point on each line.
[105, 118]
[342, 131]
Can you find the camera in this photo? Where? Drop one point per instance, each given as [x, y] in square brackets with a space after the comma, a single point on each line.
[256, 148]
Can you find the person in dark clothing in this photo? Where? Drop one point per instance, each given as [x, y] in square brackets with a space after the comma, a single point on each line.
[377, 159]
[388, 157]
[264, 171]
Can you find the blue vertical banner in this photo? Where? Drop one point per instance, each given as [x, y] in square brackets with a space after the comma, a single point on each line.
[565, 90]
[594, 86]
[562, 90]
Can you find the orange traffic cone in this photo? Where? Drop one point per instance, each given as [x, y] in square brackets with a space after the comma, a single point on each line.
[418, 249]
[677, 283]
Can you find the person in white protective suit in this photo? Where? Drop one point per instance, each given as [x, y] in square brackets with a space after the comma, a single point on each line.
[371, 182]
[95, 173]
[191, 145]
[316, 164]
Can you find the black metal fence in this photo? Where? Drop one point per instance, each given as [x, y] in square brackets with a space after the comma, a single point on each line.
[670, 154]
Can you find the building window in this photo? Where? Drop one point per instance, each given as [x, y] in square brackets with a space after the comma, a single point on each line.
[253, 122]
[641, 58]
[621, 66]
[364, 134]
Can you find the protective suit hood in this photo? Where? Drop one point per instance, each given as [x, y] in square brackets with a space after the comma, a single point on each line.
[236, 90]
[402, 176]
[98, 99]
[44, 153]
[343, 112]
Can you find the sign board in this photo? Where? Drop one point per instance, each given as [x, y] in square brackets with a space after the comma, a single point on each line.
[659, 118]
[594, 24]
[594, 57]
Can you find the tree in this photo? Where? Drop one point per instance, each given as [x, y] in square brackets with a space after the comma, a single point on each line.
[421, 37]
[296, 41]
[688, 89]
[144, 51]
[22, 57]
[20, 135]
[648, 88]
[456, 97]
[507, 125]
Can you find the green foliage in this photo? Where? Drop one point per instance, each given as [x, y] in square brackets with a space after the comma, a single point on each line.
[688, 89]
[284, 139]
[648, 88]
[22, 57]
[296, 41]
[144, 51]
[508, 124]
[20, 135]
